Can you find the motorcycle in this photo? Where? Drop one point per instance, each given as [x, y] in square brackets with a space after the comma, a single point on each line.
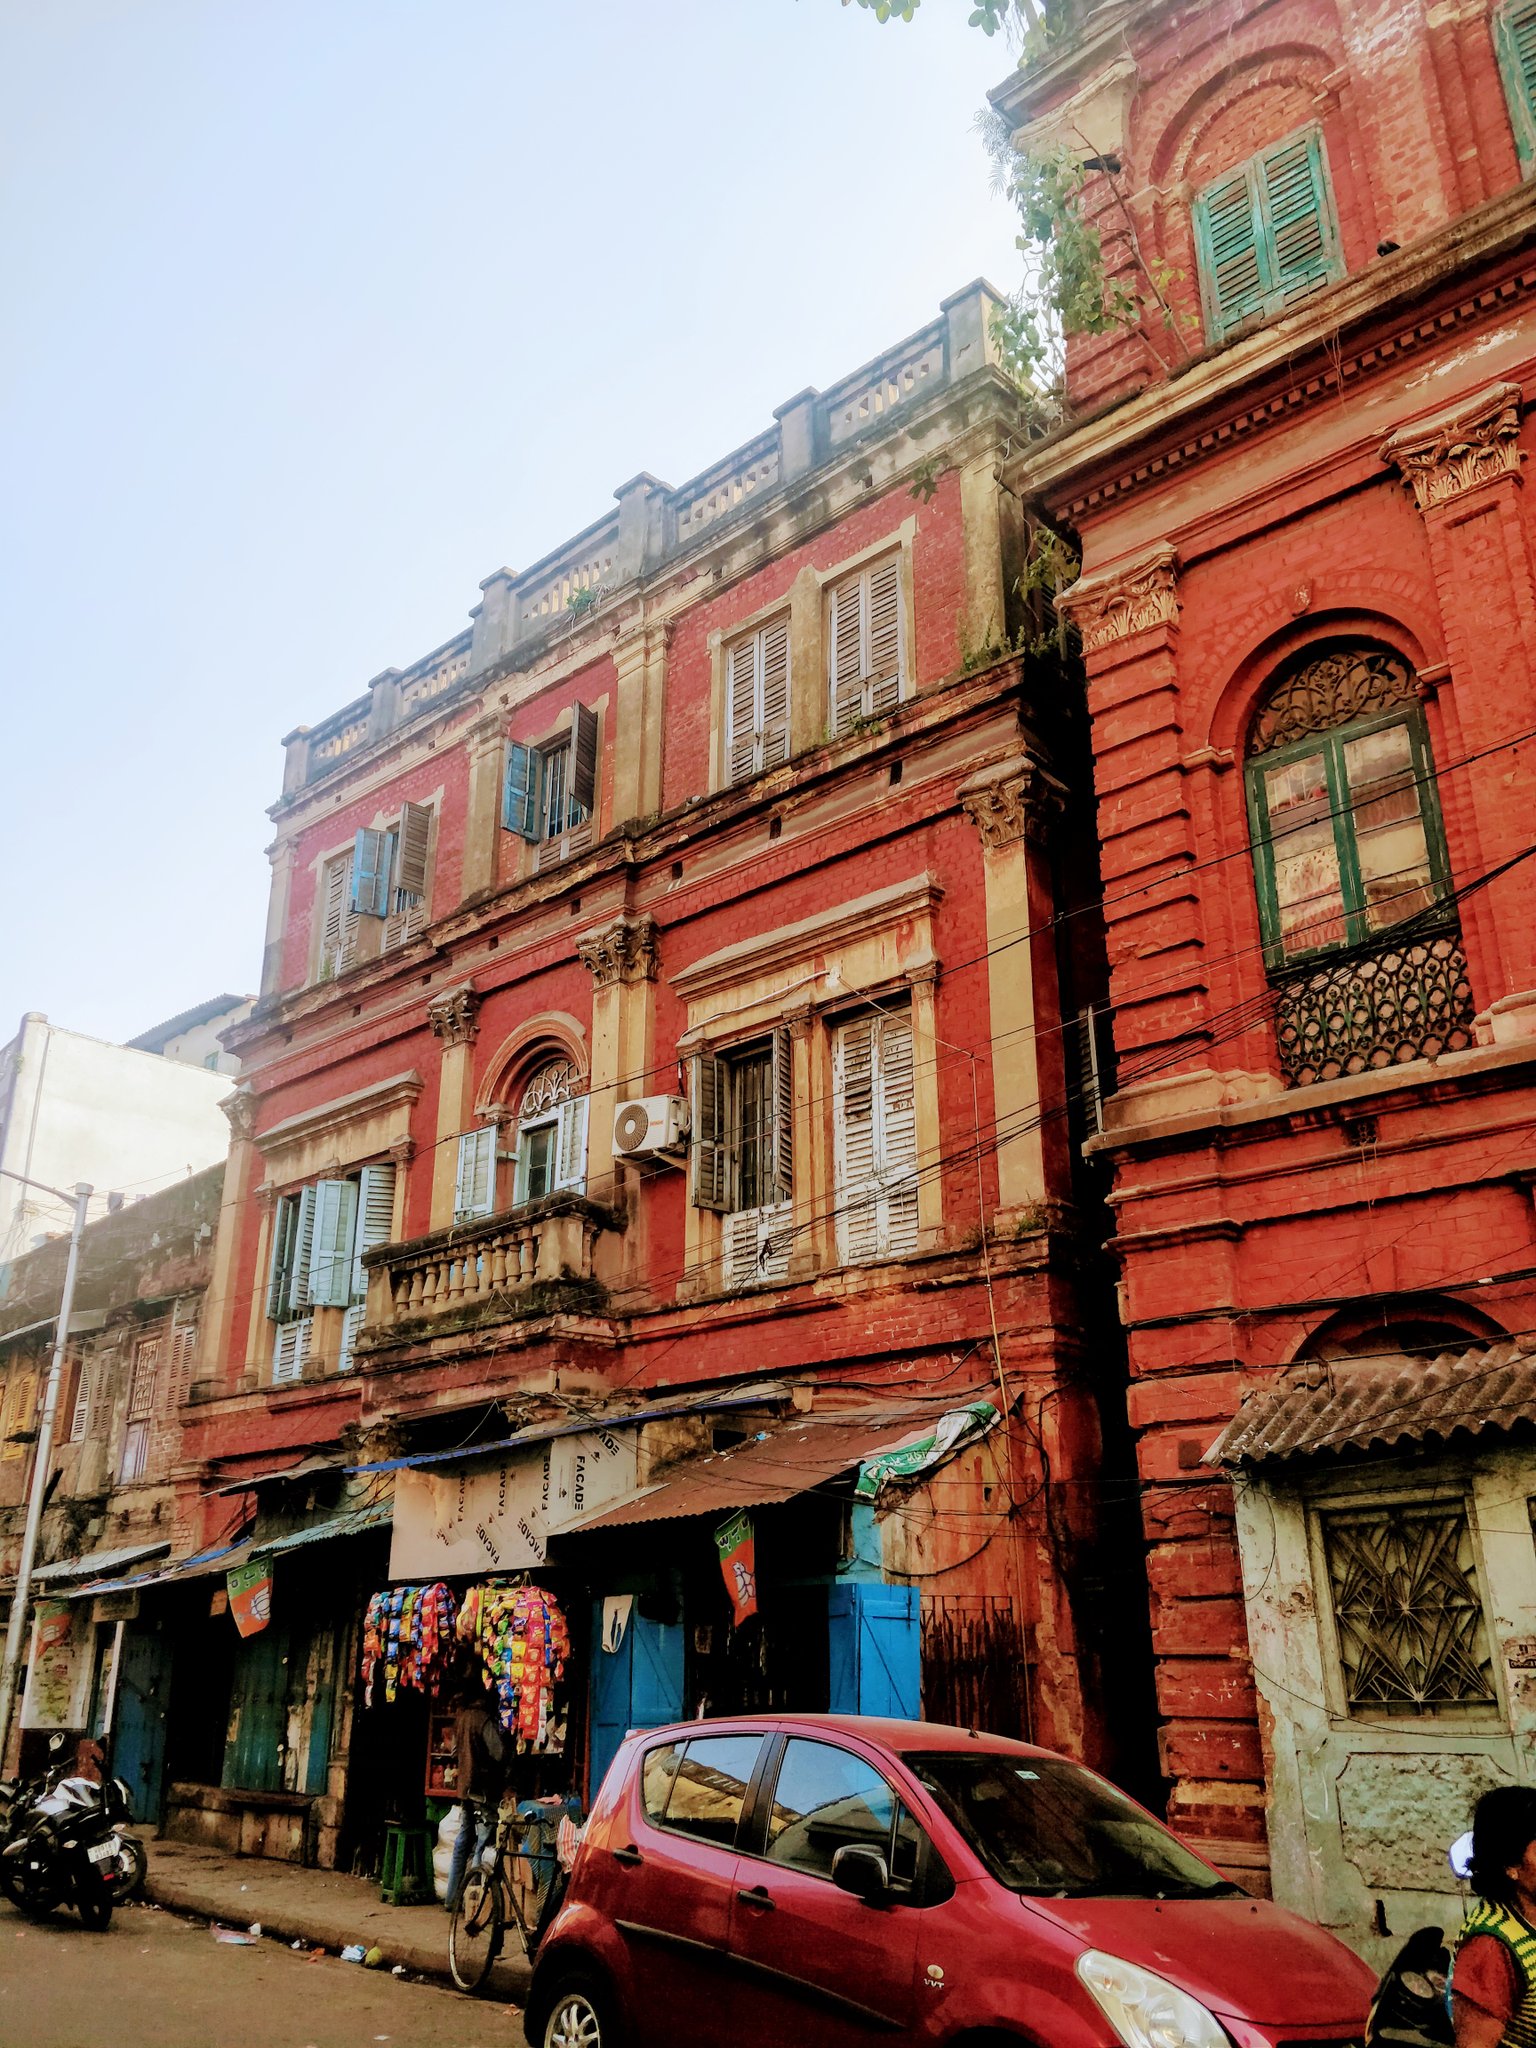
[1410, 2009]
[61, 1844]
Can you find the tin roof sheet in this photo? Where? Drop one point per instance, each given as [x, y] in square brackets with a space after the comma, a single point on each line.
[775, 1466]
[1316, 1408]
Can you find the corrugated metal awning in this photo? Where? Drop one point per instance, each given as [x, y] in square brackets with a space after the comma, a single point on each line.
[1315, 1409]
[227, 1557]
[772, 1467]
[306, 1468]
[97, 1563]
[580, 1420]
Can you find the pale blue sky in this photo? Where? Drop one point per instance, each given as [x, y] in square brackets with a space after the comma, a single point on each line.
[317, 311]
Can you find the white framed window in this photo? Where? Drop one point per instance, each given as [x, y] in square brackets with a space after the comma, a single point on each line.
[757, 701]
[551, 1133]
[874, 1137]
[741, 1155]
[319, 1236]
[866, 649]
[549, 793]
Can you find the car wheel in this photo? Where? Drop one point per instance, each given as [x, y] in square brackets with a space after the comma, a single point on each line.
[580, 2015]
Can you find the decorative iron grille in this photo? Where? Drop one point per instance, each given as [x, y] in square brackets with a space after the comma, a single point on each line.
[1330, 691]
[1406, 1605]
[1409, 1000]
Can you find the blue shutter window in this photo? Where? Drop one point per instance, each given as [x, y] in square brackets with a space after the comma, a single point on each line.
[1265, 234]
[1514, 35]
[372, 859]
[520, 791]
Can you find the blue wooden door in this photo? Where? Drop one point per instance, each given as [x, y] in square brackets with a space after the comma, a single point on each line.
[874, 1641]
[638, 1685]
[138, 1719]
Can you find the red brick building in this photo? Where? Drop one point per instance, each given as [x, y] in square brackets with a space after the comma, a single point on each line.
[1308, 619]
[657, 1100]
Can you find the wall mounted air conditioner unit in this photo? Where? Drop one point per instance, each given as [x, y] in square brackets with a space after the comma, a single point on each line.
[651, 1127]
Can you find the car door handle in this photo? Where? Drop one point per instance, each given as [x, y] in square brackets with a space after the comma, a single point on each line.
[758, 1896]
[628, 1856]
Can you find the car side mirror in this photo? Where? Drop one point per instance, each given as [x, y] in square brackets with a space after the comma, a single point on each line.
[861, 1871]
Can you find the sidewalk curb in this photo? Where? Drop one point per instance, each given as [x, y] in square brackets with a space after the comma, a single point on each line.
[184, 1895]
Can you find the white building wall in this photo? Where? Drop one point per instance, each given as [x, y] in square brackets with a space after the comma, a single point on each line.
[74, 1108]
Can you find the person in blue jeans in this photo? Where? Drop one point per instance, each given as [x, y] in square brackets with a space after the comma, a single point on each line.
[480, 1751]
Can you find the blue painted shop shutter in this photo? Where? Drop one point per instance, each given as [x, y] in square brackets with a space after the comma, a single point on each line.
[874, 1645]
[638, 1685]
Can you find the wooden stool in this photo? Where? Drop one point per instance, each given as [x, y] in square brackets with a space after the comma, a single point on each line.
[406, 1879]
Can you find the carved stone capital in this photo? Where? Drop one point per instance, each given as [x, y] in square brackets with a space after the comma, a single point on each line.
[1011, 800]
[622, 951]
[1131, 597]
[240, 1114]
[1454, 451]
[403, 1151]
[452, 1014]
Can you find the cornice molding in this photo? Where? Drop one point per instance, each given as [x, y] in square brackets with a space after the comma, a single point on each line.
[399, 1091]
[792, 945]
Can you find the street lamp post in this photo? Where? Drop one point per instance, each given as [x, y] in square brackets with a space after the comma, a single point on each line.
[11, 1666]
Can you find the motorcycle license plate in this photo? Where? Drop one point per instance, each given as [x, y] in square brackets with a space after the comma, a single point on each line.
[104, 1851]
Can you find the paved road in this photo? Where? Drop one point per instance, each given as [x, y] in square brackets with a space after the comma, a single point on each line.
[156, 1981]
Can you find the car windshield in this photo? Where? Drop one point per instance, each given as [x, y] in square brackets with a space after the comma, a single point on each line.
[1045, 1826]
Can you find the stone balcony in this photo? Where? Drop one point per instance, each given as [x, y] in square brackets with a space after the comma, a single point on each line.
[537, 1260]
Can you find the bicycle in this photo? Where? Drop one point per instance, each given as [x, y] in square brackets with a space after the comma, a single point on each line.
[489, 1898]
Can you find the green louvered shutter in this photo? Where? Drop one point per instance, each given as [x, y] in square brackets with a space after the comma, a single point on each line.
[1297, 216]
[1515, 37]
[1230, 242]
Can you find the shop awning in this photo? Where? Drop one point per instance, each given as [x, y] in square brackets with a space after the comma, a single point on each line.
[305, 1468]
[1318, 1408]
[227, 1557]
[597, 1417]
[773, 1467]
[96, 1564]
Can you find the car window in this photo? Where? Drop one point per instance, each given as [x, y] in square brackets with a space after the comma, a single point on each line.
[826, 1799]
[699, 1787]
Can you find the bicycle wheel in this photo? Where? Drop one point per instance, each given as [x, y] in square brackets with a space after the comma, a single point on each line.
[474, 1933]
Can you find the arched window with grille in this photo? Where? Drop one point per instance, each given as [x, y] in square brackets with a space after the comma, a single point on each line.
[551, 1132]
[1354, 888]
[1341, 796]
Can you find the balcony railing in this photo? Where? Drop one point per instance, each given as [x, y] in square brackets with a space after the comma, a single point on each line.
[532, 1261]
[1404, 1000]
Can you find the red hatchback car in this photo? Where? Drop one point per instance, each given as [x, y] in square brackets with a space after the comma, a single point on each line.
[821, 1880]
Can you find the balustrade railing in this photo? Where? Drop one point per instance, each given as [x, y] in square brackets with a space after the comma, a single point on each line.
[1407, 999]
[531, 1260]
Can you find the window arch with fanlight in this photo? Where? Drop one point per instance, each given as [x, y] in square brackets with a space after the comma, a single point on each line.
[1345, 822]
[551, 1131]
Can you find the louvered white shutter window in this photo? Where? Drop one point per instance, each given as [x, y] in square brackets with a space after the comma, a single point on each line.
[80, 1416]
[330, 1265]
[708, 1156]
[474, 1191]
[290, 1349]
[757, 708]
[571, 1145]
[408, 892]
[757, 1245]
[865, 644]
[875, 1138]
[337, 950]
[351, 1323]
[375, 1219]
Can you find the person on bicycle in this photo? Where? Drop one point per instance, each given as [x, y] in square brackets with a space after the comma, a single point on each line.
[480, 1749]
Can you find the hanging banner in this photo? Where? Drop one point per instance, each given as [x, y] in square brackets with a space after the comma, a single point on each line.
[250, 1595]
[738, 1564]
[615, 1620]
[918, 1454]
[499, 1516]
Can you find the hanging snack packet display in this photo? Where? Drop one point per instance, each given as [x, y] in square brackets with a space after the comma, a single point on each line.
[408, 1633]
[522, 1639]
